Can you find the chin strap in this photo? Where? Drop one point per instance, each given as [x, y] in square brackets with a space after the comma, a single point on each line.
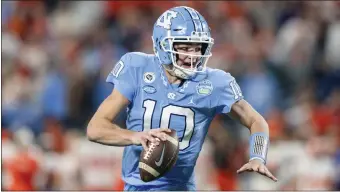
[176, 72]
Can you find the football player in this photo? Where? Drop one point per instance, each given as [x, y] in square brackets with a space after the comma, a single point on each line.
[174, 89]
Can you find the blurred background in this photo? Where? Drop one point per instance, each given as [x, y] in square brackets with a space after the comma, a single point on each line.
[56, 56]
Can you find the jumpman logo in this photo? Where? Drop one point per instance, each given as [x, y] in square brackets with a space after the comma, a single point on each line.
[192, 101]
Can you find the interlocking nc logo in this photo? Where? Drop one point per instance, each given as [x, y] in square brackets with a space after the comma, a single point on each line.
[171, 95]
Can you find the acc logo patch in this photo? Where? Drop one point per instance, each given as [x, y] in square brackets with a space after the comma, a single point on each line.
[149, 89]
[204, 87]
[149, 77]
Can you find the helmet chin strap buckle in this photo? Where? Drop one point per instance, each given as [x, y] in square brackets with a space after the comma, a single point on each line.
[174, 71]
[182, 74]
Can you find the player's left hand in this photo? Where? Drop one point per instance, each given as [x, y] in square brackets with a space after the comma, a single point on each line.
[257, 166]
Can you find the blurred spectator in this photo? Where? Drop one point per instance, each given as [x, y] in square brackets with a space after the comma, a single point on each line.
[23, 167]
[259, 87]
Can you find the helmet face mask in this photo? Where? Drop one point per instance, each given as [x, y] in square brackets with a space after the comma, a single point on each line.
[173, 28]
[187, 55]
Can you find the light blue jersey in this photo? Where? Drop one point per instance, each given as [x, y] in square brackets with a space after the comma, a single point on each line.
[154, 103]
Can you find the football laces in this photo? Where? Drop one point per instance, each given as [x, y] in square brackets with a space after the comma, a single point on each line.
[149, 151]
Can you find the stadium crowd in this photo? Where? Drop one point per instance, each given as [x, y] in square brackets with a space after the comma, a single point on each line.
[56, 56]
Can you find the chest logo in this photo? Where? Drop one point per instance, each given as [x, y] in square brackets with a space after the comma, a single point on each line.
[204, 87]
[171, 95]
[149, 89]
[191, 101]
[149, 77]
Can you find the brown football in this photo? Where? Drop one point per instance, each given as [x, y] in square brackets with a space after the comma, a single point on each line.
[159, 159]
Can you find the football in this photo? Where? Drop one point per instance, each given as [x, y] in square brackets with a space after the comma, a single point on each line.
[159, 159]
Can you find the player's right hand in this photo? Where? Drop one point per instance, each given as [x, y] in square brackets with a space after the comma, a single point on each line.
[153, 135]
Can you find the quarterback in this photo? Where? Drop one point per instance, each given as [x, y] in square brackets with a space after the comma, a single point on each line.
[174, 88]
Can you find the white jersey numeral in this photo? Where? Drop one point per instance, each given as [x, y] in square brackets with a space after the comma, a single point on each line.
[165, 19]
[149, 106]
[167, 111]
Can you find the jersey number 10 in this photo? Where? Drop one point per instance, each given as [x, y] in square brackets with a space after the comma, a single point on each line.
[166, 113]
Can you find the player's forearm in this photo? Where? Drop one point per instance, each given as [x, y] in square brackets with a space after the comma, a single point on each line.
[249, 117]
[259, 125]
[104, 132]
[259, 137]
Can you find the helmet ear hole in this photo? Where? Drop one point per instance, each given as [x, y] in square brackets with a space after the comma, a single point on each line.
[158, 43]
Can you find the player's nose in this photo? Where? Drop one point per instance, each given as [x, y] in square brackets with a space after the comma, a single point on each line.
[191, 58]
